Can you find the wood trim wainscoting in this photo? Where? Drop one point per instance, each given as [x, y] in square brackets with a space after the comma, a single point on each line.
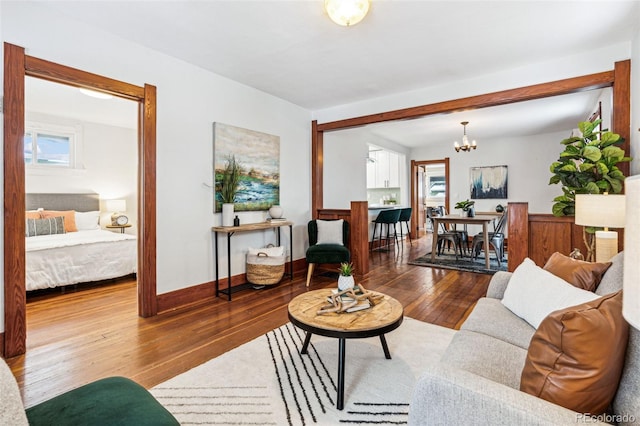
[537, 236]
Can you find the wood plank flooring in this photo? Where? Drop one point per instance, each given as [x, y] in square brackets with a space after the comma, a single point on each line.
[80, 336]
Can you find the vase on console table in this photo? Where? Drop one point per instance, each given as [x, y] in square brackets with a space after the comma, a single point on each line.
[227, 214]
[275, 212]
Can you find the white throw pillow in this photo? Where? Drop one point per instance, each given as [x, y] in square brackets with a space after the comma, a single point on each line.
[330, 231]
[534, 293]
[87, 221]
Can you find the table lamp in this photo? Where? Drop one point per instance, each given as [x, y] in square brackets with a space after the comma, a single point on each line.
[602, 211]
[631, 280]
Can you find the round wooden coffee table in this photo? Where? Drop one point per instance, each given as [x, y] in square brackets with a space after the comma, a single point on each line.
[385, 316]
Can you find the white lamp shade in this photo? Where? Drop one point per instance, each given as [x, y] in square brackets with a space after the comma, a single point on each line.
[631, 293]
[116, 205]
[600, 210]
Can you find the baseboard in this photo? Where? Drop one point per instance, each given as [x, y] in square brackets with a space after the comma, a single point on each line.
[185, 296]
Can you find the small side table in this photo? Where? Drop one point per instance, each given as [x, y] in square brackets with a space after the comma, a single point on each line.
[120, 227]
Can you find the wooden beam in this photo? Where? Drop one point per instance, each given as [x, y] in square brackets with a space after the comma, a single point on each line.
[317, 164]
[536, 91]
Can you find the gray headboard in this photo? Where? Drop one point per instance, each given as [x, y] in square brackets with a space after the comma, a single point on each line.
[77, 202]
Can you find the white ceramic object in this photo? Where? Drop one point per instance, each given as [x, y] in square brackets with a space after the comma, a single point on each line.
[275, 212]
[227, 214]
[345, 282]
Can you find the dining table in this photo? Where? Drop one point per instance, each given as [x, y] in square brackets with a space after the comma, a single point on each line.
[483, 219]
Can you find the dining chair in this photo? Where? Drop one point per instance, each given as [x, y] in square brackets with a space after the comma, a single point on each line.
[496, 240]
[450, 238]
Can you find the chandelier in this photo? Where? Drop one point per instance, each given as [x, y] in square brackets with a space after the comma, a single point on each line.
[466, 146]
[346, 12]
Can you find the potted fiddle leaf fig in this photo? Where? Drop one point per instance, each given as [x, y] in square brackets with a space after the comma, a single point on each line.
[588, 165]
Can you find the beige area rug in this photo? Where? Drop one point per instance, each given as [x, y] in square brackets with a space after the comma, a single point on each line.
[268, 382]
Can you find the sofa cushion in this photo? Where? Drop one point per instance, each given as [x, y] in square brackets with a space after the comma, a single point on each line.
[110, 401]
[576, 356]
[534, 293]
[486, 356]
[584, 275]
[11, 408]
[612, 279]
[626, 400]
[490, 317]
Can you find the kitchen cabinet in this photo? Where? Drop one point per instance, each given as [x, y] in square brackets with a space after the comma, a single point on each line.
[384, 172]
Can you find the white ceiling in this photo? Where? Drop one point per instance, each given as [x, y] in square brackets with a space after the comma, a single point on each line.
[291, 50]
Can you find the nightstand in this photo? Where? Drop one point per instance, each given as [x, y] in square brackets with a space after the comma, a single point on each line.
[120, 227]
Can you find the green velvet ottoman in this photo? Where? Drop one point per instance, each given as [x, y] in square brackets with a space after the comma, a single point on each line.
[112, 401]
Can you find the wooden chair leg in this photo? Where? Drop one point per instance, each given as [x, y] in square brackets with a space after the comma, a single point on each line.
[310, 272]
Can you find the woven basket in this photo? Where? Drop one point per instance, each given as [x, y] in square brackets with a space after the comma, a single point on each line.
[263, 269]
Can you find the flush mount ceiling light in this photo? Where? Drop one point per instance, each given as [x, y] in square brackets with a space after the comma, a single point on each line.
[346, 12]
[95, 94]
[466, 146]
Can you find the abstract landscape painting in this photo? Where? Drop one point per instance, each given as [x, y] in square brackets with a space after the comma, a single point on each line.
[259, 157]
[488, 182]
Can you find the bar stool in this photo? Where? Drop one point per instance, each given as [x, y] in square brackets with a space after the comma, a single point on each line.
[385, 217]
[405, 217]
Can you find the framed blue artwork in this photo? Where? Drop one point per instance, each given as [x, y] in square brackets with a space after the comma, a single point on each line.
[488, 182]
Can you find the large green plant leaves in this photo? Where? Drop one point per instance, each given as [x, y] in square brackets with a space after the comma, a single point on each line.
[587, 166]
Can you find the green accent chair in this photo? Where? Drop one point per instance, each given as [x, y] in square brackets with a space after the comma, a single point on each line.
[326, 253]
[111, 401]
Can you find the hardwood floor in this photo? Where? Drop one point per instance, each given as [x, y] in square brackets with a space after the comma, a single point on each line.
[78, 337]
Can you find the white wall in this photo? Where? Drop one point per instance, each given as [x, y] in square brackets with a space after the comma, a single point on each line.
[527, 158]
[345, 166]
[109, 166]
[190, 99]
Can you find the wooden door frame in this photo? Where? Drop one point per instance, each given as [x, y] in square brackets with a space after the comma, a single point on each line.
[619, 79]
[414, 187]
[17, 66]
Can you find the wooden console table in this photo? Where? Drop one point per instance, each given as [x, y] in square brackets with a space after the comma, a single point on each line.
[230, 230]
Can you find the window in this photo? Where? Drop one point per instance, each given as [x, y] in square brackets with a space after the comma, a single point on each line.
[49, 146]
[437, 187]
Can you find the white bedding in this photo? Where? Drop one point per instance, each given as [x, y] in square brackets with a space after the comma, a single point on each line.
[75, 257]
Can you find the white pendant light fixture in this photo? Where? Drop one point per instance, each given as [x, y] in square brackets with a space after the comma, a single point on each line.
[346, 12]
[466, 146]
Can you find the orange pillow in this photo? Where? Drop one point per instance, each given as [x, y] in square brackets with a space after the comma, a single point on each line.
[32, 214]
[584, 275]
[68, 215]
[576, 355]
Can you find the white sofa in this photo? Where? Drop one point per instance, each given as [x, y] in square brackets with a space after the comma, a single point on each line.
[478, 379]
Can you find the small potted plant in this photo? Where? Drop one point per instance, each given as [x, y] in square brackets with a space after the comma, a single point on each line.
[228, 184]
[467, 208]
[345, 280]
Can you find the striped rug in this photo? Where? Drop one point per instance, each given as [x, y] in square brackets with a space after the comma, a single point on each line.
[268, 382]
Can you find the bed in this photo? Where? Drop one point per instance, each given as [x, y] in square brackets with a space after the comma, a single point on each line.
[65, 245]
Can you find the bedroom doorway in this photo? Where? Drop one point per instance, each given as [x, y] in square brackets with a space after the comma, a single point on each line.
[17, 66]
